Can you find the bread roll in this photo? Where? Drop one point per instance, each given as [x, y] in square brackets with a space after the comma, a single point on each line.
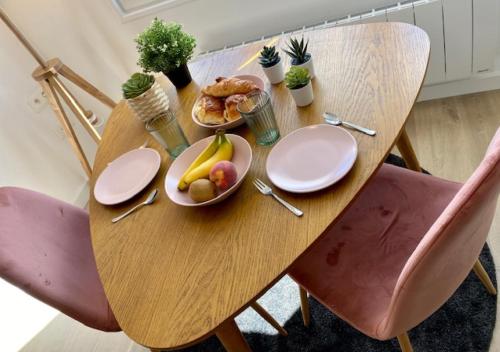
[231, 104]
[210, 110]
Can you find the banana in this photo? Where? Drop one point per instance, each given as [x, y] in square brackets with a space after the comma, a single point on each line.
[224, 152]
[208, 152]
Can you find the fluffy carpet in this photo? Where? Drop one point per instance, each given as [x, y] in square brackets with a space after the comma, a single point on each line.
[464, 324]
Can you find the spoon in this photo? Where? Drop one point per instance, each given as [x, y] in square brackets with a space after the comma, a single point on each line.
[332, 119]
[149, 200]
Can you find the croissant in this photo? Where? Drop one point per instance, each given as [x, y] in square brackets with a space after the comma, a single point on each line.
[225, 87]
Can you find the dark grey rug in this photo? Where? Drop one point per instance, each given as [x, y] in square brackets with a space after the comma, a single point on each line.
[464, 324]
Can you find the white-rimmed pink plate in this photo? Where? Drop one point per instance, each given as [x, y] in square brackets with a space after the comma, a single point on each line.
[311, 158]
[242, 159]
[230, 124]
[126, 176]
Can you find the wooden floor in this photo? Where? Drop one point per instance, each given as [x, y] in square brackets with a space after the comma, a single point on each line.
[450, 137]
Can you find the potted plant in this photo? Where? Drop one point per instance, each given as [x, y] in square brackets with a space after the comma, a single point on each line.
[299, 55]
[297, 79]
[145, 96]
[270, 61]
[164, 47]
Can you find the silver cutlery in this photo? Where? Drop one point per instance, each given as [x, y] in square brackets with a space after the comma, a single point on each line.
[266, 190]
[333, 119]
[149, 200]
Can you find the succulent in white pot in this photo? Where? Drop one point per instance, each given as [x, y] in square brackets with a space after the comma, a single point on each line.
[299, 55]
[145, 96]
[298, 80]
[270, 61]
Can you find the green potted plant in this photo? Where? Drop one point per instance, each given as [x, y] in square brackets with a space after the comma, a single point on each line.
[164, 47]
[298, 80]
[145, 96]
[270, 61]
[299, 55]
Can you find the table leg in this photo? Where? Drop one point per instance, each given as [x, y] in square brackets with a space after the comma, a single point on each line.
[407, 152]
[230, 336]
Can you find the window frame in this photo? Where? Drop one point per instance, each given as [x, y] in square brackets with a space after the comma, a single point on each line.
[145, 10]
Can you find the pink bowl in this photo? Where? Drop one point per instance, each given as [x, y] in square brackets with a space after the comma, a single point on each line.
[242, 159]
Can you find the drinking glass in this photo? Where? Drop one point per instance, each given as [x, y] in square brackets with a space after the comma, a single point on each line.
[258, 113]
[166, 130]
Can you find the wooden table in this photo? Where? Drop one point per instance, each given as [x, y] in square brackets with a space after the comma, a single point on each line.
[176, 275]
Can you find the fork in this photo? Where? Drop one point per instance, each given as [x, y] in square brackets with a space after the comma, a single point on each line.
[267, 191]
[333, 119]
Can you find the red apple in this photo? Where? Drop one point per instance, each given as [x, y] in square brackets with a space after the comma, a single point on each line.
[223, 174]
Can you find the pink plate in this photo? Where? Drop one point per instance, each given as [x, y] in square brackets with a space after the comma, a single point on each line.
[126, 176]
[242, 159]
[311, 158]
[230, 124]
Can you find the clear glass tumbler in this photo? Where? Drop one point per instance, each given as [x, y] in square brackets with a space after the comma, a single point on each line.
[258, 113]
[166, 130]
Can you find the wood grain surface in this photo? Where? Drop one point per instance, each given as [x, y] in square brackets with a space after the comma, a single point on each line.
[174, 274]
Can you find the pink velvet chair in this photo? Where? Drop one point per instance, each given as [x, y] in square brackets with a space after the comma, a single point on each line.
[45, 250]
[402, 249]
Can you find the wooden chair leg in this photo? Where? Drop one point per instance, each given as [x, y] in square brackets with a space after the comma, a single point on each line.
[483, 276]
[407, 152]
[404, 343]
[231, 337]
[304, 307]
[268, 317]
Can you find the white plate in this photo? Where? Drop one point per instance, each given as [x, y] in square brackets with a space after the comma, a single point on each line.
[242, 159]
[126, 176]
[311, 158]
[230, 124]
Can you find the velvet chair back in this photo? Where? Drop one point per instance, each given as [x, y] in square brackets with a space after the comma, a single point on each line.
[45, 250]
[448, 251]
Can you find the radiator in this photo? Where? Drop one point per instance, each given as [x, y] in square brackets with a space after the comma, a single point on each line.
[463, 34]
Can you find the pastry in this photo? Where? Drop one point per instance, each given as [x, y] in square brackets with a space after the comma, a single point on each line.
[231, 103]
[210, 110]
[225, 87]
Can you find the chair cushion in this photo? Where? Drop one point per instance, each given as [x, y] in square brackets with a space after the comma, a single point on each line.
[353, 268]
[45, 250]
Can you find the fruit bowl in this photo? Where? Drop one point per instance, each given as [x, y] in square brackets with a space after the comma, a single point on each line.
[242, 159]
[230, 124]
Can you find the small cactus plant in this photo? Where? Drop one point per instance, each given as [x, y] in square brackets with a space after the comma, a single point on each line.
[269, 56]
[297, 77]
[137, 84]
[298, 51]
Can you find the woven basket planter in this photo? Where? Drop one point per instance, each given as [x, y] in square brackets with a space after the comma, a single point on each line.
[150, 104]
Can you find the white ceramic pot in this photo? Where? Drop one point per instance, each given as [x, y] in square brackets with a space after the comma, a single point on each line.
[309, 65]
[275, 73]
[303, 96]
